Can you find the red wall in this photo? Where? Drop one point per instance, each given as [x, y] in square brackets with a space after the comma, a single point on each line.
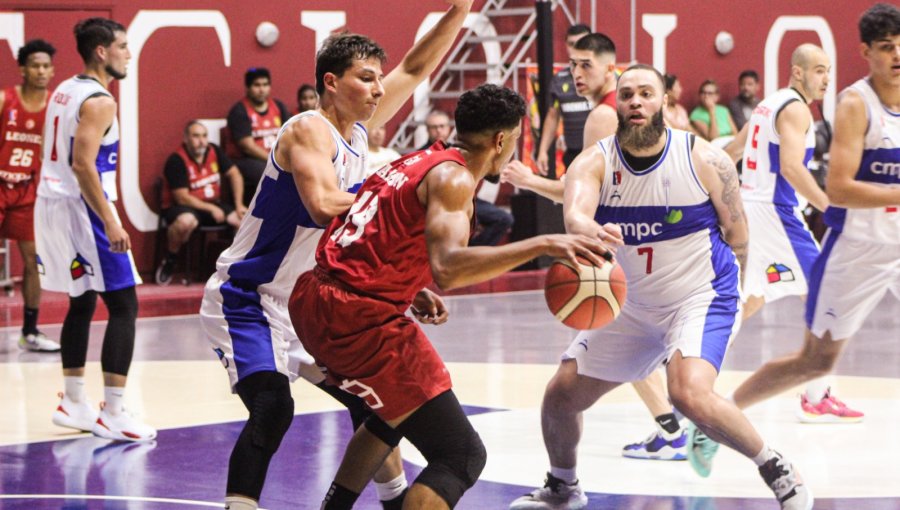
[182, 74]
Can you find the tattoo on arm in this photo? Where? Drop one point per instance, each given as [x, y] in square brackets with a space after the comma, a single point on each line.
[731, 198]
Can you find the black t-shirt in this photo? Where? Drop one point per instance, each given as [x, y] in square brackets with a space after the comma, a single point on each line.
[239, 121]
[177, 174]
[573, 109]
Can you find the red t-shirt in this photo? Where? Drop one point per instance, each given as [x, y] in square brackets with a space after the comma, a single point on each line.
[203, 179]
[264, 128]
[20, 139]
[609, 99]
[379, 249]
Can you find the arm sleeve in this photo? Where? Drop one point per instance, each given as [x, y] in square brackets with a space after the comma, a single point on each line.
[238, 122]
[224, 161]
[176, 172]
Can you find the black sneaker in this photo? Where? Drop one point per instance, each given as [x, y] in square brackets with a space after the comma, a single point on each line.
[784, 480]
[165, 271]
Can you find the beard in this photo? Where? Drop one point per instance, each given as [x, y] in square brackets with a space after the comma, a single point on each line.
[119, 75]
[640, 137]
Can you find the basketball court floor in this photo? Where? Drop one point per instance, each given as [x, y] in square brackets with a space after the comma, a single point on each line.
[501, 350]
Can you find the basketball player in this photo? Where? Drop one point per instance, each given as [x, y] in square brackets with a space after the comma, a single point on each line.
[318, 160]
[859, 262]
[677, 201]
[408, 227]
[21, 125]
[81, 245]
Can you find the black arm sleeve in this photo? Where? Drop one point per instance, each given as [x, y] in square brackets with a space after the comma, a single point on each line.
[239, 122]
[176, 173]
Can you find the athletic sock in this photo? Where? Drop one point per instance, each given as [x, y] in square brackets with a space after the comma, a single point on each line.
[74, 387]
[764, 455]
[240, 503]
[388, 491]
[339, 498]
[669, 427]
[29, 325]
[566, 475]
[816, 389]
[113, 395]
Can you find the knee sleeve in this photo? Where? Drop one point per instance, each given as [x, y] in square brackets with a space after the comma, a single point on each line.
[76, 330]
[378, 428]
[454, 451]
[267, 396]
[357, 407]
[118, 341]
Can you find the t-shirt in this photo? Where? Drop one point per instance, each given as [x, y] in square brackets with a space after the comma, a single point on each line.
[378, 159]
[241, 126]
[701, 114]
[177, 174]
[573, 108]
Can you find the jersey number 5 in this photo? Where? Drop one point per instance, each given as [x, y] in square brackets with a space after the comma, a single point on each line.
[361, 213]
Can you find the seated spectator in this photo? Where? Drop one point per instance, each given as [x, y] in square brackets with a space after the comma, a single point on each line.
[710, 119]
[493, 224]
[307, 98]
[741, 107]
[438, 125]
[192, 195]
[254, 122]
[675, 115]
[378, 154]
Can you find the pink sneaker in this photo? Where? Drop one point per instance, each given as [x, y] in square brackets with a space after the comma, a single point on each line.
[829, 410]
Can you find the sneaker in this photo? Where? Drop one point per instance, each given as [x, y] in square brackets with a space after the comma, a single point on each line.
[828, 410]
[554, 495]
[74, 415]
[784, 480]
[121, 427]
[38, 342]
[656, 447]
[165, 271]
[700, 450]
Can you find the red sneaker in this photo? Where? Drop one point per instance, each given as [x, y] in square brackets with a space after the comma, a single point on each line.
[829, 410]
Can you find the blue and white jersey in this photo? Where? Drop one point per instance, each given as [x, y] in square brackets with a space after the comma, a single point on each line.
[762, 180]
[673, 245]
[879, 166]
[63, 115]
[277, 239]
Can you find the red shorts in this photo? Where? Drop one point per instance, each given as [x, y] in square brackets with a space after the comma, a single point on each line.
[369, 347]
[17, 210]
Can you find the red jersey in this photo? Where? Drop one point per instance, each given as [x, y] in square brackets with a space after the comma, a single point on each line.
[380, 248]
[204, 179]
[609, 99]
[20, 139]
[264, 128]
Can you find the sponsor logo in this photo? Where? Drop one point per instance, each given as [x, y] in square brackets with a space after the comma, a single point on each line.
[40, 265]
[779, 273]
[640, 230]
[221, 354]
[673, 217]
[617, 178]
[831, 313]
[80, 267]
[362, 391]
[215, 167]
[29, 124]
[12, 118]
[885, 168]
[15, 136]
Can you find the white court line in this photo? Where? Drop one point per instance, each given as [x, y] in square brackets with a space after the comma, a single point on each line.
[114, 498]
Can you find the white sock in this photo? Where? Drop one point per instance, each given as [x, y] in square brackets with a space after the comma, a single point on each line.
[566, 475]
[240, 503]
[74, 387]
[113, 396]
[390, 490]
[816, 389]
[764, 455]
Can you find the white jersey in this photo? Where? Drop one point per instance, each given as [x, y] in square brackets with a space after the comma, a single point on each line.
[879, 166]
[277, 239]
[761, 180]
[673, 246]
[57, 178]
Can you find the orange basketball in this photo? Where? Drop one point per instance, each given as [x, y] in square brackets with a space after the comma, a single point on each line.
[587, 296]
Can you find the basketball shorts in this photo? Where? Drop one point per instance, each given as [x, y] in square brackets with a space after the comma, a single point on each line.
[17, 210]
[781, 253]
[642, 339]
[250, 331]
[848, 280]
[73, 250]
[369, 347]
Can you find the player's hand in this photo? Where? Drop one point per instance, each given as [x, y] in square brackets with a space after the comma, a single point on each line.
[241, 210]
[709, 102]
[542, 162]
[516, 173]
[571, 246]
[218, 214]
[428, 308]
[611, 234]
[119, 242]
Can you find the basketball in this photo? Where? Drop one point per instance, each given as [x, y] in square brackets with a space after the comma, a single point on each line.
[586, 296]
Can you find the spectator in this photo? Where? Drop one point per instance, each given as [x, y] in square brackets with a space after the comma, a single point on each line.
[307, 98]
[675, 115]
[710, 119]
[254, 122]
[438, 125]
[378, 154]
[193, 196]
[741, 107]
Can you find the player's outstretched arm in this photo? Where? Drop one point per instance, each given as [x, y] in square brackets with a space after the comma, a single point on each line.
[719, 176]
[447, 195]
[419, 62]
[792, 123]
[520, 176]
[305, 149]
[582, 196]
[850, 124]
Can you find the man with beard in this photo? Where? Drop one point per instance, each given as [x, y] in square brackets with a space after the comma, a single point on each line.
[676, 199]
[742, 106]
[80, 241]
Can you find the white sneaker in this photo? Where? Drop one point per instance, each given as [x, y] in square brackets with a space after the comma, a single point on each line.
[37, 343]
[554, 495]
[75, 415]
[784, 480]
[122, 427]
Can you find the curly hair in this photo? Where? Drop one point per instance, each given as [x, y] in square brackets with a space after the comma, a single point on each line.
[880, 21]
[338, 53]
[35, 46]
[93, 32]
[488, 108]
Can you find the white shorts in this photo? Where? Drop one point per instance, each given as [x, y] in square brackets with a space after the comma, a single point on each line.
[73, 250]
[848, 281]
[250, 332]
[781, 253]
[641, 339]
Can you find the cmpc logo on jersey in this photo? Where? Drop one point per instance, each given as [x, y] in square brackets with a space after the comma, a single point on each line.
[80, 267]
[674, 216]
[779, 273]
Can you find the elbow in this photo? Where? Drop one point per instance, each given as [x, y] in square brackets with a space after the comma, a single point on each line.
[837, 196]
[443, 277]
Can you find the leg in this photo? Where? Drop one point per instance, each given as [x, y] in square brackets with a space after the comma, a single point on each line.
[180, 231]
[668, 441]
[74, 410]
[653, 392]
[753, 305]
[32, 339]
